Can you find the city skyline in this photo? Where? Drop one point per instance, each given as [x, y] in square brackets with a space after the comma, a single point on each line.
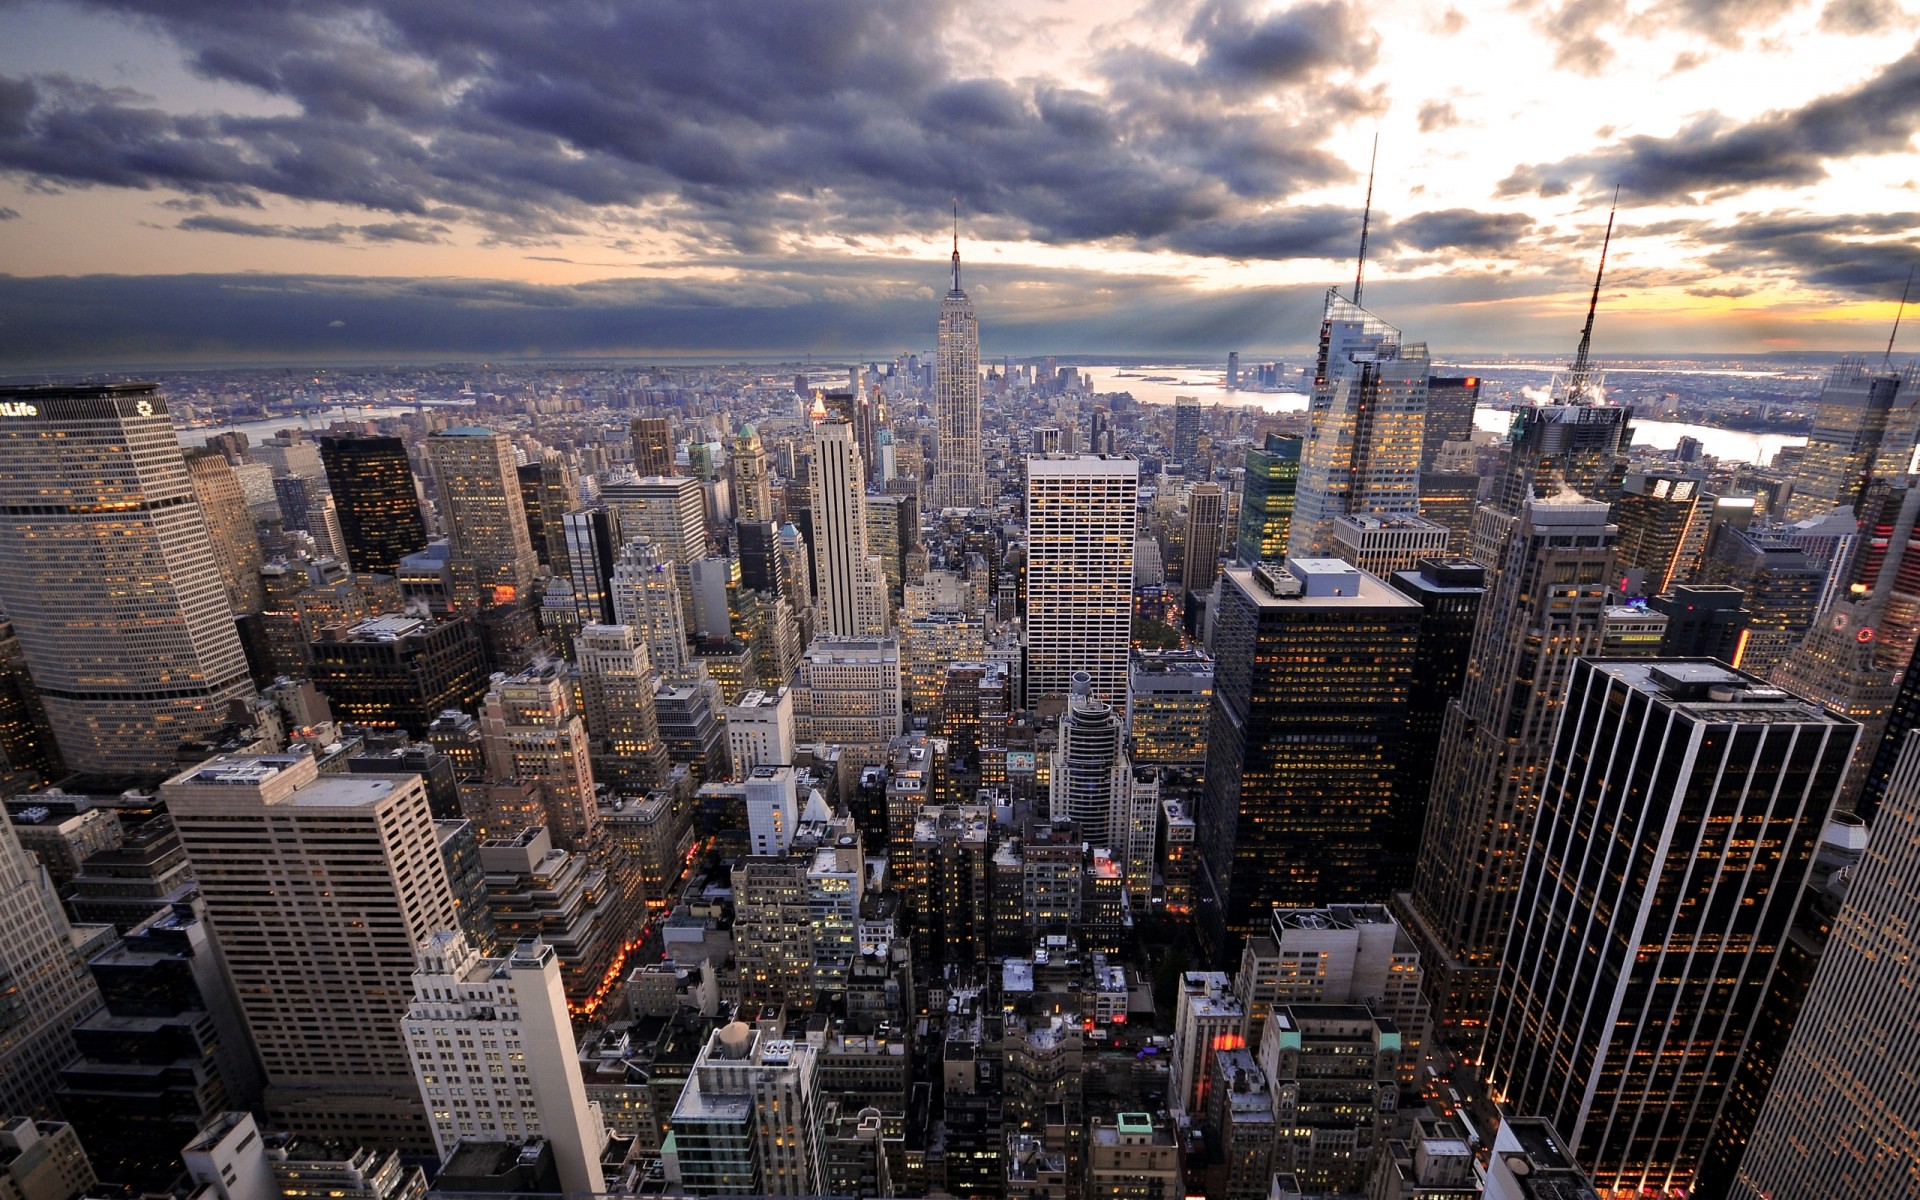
[183, 185]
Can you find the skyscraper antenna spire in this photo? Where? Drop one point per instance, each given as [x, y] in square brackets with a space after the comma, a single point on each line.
[1887, 362]
[1582, 371]
[956, 243]
[1366, 215]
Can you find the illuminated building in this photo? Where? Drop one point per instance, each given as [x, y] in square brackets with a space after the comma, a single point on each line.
[1312, 666]
[847, 693]
[645, 591]
[1091, 779]
[616, 693]
[1623, 1009]
[746, 1123]
[1267, 500]
[1136, 1156]
[853, 585]
[893, 529]
[1836, 667]
[526, 1082]
[1449, 500]
[672, 514]
[1663, 519]
[490, 558]
[1783, 586]
[1081, 525]
[1838, 1119]
[1186, 431]
[48, 987]
[752, 489]
[1449, 592]
[1631, 631]
[530, 733]
[960, 480]
[28, 755]
[1544, 607]
[1205, 525]
[760, 730]
[593, 542]
[397, 672]
[1850, 443]
[1207, 1017]
[549, 490]
[929, 644]
[1451, 400]
[975, 704]
[1178, 859]
[275, 847]
[108, 577]
[230, 531]
[1363, 448]
[1704, 620]
[652, 446]
[569, 901]
[1566, 446]
[1169, 704]
[1333, 1069]
[377, 501]
[1383, 545]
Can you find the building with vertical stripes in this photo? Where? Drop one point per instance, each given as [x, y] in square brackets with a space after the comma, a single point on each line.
[1082, 519]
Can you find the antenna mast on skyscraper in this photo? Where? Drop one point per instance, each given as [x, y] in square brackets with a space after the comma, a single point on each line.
[1887, 362]
[1582, 371]
[1366, 215]
[956, 243]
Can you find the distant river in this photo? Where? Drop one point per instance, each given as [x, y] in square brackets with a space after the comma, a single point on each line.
[313, 420]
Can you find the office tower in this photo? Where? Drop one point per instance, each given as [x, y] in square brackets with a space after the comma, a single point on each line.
[616, 693]
[1451, 400]
[796, 560]
[752, 490]
[1169, 705]
[1859, 431]
[233, 1160]
[1449, 592]
[1333, 1069]
[1081, 523]
[760, 730]
[893, 531]
[1312, 667]
[690, 708]
[672, 514]
[1186, 430]
[746, 1123]
[847, 692]
[646, 595]
[42, 1160]
[1566, 446]
[1344, 954]
[1090, 777]
[1677, 822]
[1835, 1121]
[1704, 620]
[318, 888]
[1266, 501]
[167, 1054]
[295, 497]
[1663, 518]
[397, 672]
[530, 733]
[593, 543]
[526, 1085]
[853, 596]
[48, 988]
[323, 526]
[1206, 504]
[230, 531]
[1449, 500]
[28, 755]
[578, 904]
[652, 446]
[761, 568]
[947, 886]
[1783, 585]
[1383, 545]
[712, 620]
[1835, 666]
[549, 490]
[377, 500]
[1835, 540]
[490, 553]
[1207, 1016]
[975, 704]
[1363, 448]
[108, 578]
[1543, 608]
[961, 479]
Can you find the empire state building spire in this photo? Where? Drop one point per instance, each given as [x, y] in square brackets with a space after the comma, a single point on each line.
[960, 479]
[956, 249]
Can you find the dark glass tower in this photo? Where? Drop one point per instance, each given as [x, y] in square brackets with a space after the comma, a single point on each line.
[373, 491]
[1450, 403]
[1449, 592]
[1266, 502]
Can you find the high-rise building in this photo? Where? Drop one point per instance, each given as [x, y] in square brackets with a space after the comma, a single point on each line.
[1677, 822]
[396, 672]
[1363, 449]
[1856, 422]
[1835, 667]
[1451, 400]
[746, 1123]
[1544, 605]
[1449, 500]
[1090, 777]
[853, 595]
[1704, 620]
[1206, 516]
[1449, 592]
[752, 487]
[616, 693]
[549, 490]
[760, 730]
[377, 500]
[646, 595]
[108, 577]
[961, 479]
[43, 1160]
[593, 542]
[230, 531]
[1169, 705]
[652, 446]
[525, 1083]
[1836, 1120]
[847, 692]
[1783, 586]
[1081, 524]
[670, 512]
[48, 989]
[28, 755]
[1663, 518]
[1568, 446]
[318, 888]
[1312, 666]
[490, 551]
[530, 733]
[1186, 431]
[1266, 501]
[1136, 1156]
[1383, 545]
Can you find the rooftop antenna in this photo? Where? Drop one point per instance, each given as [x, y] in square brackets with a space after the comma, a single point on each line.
[956, 243]
[1366, 215]
[1886, 363]
[1581, 371]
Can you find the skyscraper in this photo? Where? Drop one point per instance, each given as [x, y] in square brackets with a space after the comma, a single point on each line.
[593, 542]
[108, 577]
[1081, 523]
[1363, 447]
[671, 512]
[1677, 821]
[1542, 610]
[616, 692]
[379, 508]
[1205, 524]
[1186, 431]
[530, 733]
[752, 487]
[1663, 518]
[230, 531]
[1312, 665]
[48, 989]
[1267, 498]
[319, 888]
[646, 595]
[490, 551]
[1090, 776]
[853, 588]
[1451, 400]
[1449, 592]
[1858, 432]
[652, 446]
[961, 481]
[549, 490]
[1837, 1120]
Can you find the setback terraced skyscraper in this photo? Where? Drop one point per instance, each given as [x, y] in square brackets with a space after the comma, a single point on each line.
[961, 479]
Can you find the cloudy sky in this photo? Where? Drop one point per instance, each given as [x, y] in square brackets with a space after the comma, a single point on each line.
[251, 179]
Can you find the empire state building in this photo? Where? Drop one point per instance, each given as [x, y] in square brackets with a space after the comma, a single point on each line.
[961, 479]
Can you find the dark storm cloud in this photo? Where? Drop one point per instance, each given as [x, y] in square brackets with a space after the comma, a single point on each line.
[1493, 233]
[1862, 255]
[728, 123]
[1713, 156]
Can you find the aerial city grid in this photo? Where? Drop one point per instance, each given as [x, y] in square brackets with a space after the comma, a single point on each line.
[1359, 644]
